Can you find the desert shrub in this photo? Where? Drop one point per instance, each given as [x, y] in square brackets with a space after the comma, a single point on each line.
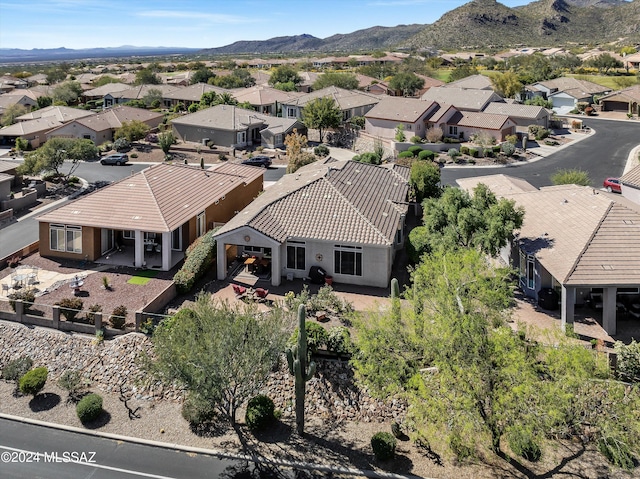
[300, 160]
[417, 243]
[513, 139]
[551, 142]
[576, 124]
[358, 121]
[339, 340]
[453, 153]
[89, 408]
[539, 132]
[523, 444]
[17, 368]
[434, 134]
[582, 105]
[383, 445]
[474, 152]
[260, 412]
[134, 155]
[91, 314]
[628, 364]
[199, 256]
[426, 155]
[369, 157]
[400, 136]
[26, 296]
[571, 177]
[316, 336]
[461, 449]
[321, 150]
[71, 381]
[33, 381]
[508, 148]
[415, 140]
[488, 152]
[415, 150]
[121, 144]
[405, 154]
[196, 410]
[616, 452]
[464, 150]
[70, 307]
[119, 317]
[73, 180]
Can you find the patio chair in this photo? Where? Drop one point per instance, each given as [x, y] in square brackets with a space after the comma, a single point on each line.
[7, 288]
[262, 293]
[158, 248]
[148, 247]
[239, 290]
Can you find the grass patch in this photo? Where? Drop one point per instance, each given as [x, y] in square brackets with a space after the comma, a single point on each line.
[143, 277]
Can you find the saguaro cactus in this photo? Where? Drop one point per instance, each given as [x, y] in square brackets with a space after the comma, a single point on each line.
[395, 299]
[297, 359]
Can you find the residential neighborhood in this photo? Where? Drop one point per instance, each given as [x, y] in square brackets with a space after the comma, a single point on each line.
[364, 255]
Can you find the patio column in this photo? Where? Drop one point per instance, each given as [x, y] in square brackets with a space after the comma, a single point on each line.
[138, 249]
[275, 266]
[166, 251]
[221, 260]
[609, 322]
[568, 306]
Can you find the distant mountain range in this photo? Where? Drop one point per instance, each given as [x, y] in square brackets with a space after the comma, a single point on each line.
[15, 55]
[477, 24]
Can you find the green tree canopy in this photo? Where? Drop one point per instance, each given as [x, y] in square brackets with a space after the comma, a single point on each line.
[221, 353]
[506, 84]
[320, 114]
[539, 101]
[458, 219]
[105, 80]
[424, 180]
[51, 155]
[202, 75]
[147, 77]
[153, 98]
[406, 82]
[284, 74]
[348, 81]
[44, 101]
[462, 71]
[133, 130]
[67, 92]
[604, 62]
[239, 78]
[571, 177]
[11, 113]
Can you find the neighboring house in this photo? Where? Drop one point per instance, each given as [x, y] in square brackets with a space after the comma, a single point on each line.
[104, 90]
[101, 127]
[60, 113]
[464, 124]
[581, 242]
[632, 61]
[630, 185]
[522, 115]
[462, 98]
[9, 83]
[34, 131]
[346, 217]
[138, 93]
[37, 79]
[234, 127]
[191, 94]
[473, 82]
[566, 92]
[429, 83]
[381, 121]
[265, 99]
[160, 212]
[10, 99]
[350, 102]
[627, 100]
[308, 79]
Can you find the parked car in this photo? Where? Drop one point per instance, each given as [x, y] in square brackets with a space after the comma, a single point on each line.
[612, 184]
[260, 160]
[115, 159]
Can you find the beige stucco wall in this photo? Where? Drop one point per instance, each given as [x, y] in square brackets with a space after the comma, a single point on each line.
[76, 130]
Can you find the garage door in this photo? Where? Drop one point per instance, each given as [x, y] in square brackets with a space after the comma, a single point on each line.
[615, 106]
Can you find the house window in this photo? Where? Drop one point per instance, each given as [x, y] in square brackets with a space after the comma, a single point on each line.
[346, 114]
[291, 112]
[453, 130]
[65, 238]
[242, 137]
[531, 274]
[200, 224]
[348, 260]
[176, 239]
[296, 255]
[277, 140]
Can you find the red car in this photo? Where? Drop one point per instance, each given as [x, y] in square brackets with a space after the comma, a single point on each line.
[612, 184]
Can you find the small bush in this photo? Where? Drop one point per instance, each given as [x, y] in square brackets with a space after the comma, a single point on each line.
[513, 139]
[133, 155]
[119, 317]
[339, 340]
[70, 307]
[33, 381]
[571, 177]
[17, 368]
[616, 452]
[196, 410]
[383, 445]
[26, 296]
[415, 140]
[540, 132]
[405, 154]
[316, 336]
[426, 155]
[551, 142]
[199, 257]
[121, 144]
[453, 153]
[523, 444]
[628, 364]
[415, 150]
[434, 134]
[89, 408]
[488, 152]
[260, 412]
[71, 381]
[474, 152]
[321, 150]
[91, 315]
[464, 150]
[508, 148]
[369, 157]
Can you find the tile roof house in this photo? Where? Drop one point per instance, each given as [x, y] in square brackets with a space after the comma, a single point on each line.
[626, 100]
[34, 131]
[464, 124]
[160, 211]
[102, 91]
[264, 99]
[345, 217]
[472, 82]
[234, 127]
[191, 94]
[630, 185]
[60, 113]
[137, 93]
[382, 120]
[350, 102]
[522, 115]
[101, 127]
[16, 98]
[566, 92]
[461, 98]
[580, 241]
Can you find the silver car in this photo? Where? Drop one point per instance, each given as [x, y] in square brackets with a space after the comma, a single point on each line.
[115, 159]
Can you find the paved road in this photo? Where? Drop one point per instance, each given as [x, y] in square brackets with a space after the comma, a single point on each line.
[113, 459]
[603, 154]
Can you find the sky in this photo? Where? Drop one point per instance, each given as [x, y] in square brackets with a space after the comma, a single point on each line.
[78, 24]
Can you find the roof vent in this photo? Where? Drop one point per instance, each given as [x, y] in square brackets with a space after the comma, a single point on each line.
[628, 222]
[135, 218]
[607, 267]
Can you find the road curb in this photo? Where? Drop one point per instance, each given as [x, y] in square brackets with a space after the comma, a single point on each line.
[213, 452]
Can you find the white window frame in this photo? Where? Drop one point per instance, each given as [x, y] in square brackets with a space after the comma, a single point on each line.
[60, 243]
[291, 112]
[339, 251]
[201, 224]
[68, 238]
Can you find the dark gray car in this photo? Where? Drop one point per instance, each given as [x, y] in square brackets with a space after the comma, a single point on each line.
[115, 159]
